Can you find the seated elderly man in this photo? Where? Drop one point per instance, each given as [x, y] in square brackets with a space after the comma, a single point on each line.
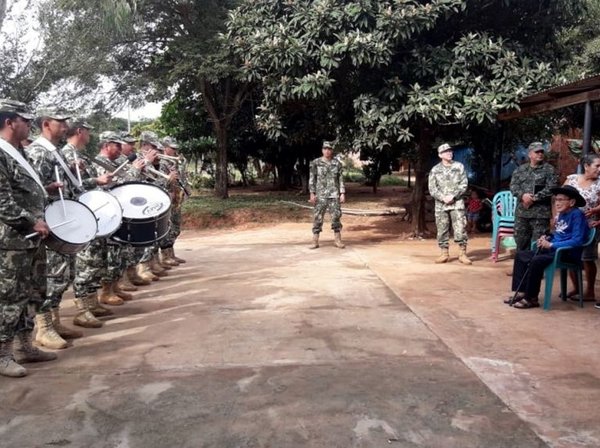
[570, 230]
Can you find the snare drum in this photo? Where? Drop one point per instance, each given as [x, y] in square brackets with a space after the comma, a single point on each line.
[146, 213]
[69, 237]
[107, 210]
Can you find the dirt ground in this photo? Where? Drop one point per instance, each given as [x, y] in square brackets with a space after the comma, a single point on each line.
[258, 341]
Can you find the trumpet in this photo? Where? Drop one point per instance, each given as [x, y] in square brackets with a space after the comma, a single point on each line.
[176, 159]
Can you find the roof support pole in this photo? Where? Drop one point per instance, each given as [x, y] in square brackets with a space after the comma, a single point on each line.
[587, 128]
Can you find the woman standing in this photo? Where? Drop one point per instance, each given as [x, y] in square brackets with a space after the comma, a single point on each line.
[588, 185]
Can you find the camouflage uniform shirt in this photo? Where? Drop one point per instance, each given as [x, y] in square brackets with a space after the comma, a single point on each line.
[43, 161]
[22, 203]
[326, 178]
[537, 181]
[88, 172]
[448, 181]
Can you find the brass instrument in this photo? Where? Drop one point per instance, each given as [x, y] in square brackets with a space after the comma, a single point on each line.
[176, 159]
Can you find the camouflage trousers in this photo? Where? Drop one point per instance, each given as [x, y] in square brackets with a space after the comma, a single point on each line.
[528, 230]
[443, 218]
[131, 255]
[115, 264]
[335, 210]
[89, 268]
[169, 241]
[142, 254]
[22, 290]
[61, 273]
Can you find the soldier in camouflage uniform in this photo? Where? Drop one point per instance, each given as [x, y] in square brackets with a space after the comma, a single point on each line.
[531, 184]
[177, 197]
[50, 331]
[113, 266]
[85, 285]
[150, 265]
[447, 184]
[129, 254]
[22, 260]
[327, 192]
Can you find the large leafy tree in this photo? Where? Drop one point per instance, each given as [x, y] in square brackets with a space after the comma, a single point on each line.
[152, 49]
[414, 69]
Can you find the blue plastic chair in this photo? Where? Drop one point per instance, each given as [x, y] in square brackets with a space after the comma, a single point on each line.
[564, 266]
[503, 217]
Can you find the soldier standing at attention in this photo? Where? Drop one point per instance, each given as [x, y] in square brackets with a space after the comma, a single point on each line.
[327, 192]
[22, 260]
[447, 184]
[531, 184]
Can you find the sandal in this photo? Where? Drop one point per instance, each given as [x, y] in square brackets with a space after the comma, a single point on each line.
[512, 299]
[525, 304]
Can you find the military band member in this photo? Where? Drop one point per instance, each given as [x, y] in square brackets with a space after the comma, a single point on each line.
[50, 331]
[130, 255]
[177, 194]
[150, 265]
[22, 261]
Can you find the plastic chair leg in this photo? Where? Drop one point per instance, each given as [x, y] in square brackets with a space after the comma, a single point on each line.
[580, 283]
[563, 284]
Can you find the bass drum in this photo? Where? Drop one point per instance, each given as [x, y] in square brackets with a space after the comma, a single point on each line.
[107, 210]
[146, 213]
[72, 228]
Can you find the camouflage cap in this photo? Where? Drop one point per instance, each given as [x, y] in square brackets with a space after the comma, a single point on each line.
[150, 138]
[127, 137]
[170, 142]
[52, 113]
[443, 148]
[327, 144]
[7, 105]
[78, 123]
[535, 146]
[110, 136]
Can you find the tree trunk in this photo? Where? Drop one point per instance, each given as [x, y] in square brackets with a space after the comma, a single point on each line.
[418, 195]
[303, 173]
[222, 101]
[221, 175]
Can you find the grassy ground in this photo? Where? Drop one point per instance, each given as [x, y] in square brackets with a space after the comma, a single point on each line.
[242, 209]
[259, 205]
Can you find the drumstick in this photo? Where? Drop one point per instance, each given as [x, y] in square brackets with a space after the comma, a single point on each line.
[77, 168]
[64, 223]
[103, 205]
[60, 191]
[120, 167]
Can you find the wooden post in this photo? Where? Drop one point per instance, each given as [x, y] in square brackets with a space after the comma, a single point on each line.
[587, 128]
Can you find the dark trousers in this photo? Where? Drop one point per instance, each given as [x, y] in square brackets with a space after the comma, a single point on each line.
[532, 278]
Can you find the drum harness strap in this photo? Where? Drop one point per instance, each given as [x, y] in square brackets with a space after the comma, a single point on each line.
[16, 155]
[50, 147]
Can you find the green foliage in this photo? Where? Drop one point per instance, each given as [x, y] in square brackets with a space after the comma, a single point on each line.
[199, 181]
[405, 62]
[354, 175]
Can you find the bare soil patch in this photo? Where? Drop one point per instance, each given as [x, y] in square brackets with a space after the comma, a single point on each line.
[256, 206]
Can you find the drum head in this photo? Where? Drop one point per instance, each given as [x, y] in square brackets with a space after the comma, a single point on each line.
[141, 201]
[82, 227]
[106, 208]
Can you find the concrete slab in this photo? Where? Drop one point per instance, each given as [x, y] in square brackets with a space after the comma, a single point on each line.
[259, 342]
